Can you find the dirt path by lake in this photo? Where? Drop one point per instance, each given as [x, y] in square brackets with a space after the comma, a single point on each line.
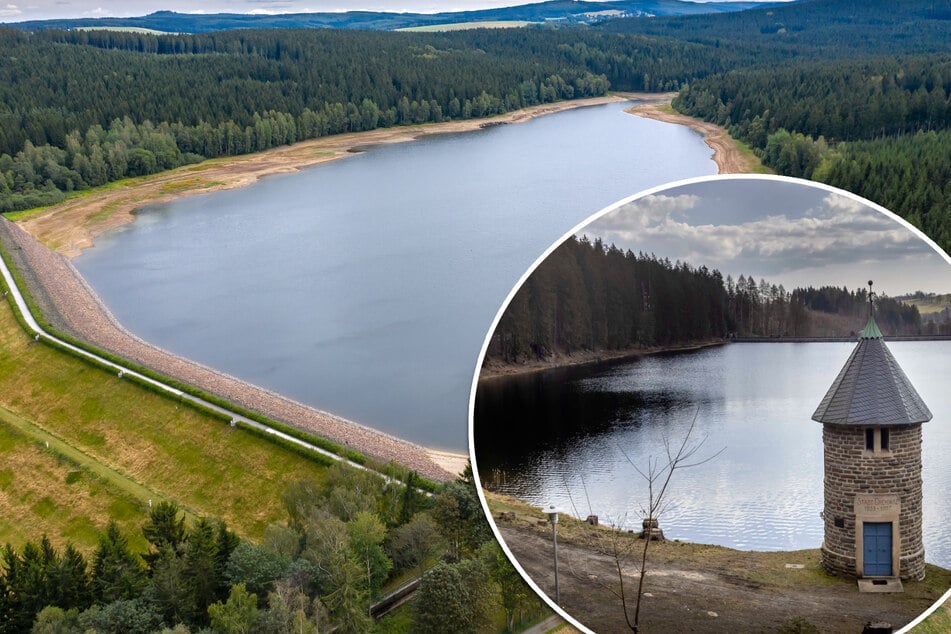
[699, 588]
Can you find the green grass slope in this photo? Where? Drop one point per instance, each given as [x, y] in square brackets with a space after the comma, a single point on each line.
[126, 445]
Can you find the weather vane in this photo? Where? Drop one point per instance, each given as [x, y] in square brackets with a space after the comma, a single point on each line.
[870, 296]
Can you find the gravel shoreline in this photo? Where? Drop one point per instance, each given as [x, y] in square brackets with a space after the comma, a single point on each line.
[72, 307]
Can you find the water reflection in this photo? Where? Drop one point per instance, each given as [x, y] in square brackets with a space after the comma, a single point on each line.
[570, 436]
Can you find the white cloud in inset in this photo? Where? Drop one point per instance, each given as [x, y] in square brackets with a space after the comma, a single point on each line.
[816, 232]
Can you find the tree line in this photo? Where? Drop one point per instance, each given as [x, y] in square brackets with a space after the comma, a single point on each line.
[589, 296]
[82, 108]
[344, 538]
[79, 109]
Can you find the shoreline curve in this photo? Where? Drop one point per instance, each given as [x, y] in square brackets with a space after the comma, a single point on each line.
[726, 151]
[69, 227]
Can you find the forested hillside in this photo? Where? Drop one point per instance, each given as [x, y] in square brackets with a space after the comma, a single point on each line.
[855, 94]
[588, 296]
[812, 29]
[79, 109]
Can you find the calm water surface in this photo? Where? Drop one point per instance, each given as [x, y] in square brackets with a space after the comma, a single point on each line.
[567, 437]
[365, 286]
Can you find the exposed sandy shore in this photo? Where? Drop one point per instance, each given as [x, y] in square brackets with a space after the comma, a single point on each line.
[726, 153]
[450, 461]
[73, 225]
[494, 369]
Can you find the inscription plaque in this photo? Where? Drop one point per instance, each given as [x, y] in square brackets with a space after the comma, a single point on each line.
[867, 505]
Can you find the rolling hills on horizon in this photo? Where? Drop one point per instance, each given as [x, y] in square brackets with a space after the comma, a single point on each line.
[558, 12]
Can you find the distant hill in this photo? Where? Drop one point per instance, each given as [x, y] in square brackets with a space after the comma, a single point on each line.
[552, 12]
[933, 307]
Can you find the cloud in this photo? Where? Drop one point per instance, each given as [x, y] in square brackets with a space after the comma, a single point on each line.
[647, 212]
[10, 10]
[836, 230]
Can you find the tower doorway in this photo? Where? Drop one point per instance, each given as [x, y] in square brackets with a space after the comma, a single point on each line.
[877, 549]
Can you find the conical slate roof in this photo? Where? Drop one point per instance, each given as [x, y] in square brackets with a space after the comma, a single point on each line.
[871, 389]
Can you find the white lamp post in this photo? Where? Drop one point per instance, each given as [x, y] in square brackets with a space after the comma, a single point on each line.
[552, 513]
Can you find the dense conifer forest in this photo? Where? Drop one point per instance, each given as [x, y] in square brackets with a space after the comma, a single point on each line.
[851, 93]
[592, 297]
[815, 29]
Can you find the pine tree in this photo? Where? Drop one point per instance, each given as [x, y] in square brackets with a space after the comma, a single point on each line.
[165, 529]
[117, 573]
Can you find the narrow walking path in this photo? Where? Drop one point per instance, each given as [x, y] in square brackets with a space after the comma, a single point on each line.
[553, 622]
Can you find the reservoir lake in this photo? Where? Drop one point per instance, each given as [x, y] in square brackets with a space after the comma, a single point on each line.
[365, 286]
[570, 437]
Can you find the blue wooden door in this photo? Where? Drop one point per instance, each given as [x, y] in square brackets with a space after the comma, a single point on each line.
[877, 542]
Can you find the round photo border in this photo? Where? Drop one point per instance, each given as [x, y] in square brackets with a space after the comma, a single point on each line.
[574, 230]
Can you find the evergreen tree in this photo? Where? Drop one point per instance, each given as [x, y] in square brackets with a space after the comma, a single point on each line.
[443, 603]
[201, 569]
[117, 573]
[165, 529]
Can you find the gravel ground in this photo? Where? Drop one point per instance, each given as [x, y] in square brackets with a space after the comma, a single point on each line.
[71, 306]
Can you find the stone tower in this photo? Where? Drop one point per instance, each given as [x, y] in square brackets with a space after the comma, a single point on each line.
[871, 431]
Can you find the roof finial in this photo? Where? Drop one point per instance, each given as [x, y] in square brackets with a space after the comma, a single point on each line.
[871, 330]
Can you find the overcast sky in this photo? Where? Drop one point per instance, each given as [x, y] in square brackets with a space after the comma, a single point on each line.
[788, 233]
[21, 10]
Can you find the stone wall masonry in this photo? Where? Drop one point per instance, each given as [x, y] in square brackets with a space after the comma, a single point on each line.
[851, 470]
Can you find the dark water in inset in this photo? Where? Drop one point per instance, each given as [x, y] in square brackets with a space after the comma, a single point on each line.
[574, 436]
[365, 286]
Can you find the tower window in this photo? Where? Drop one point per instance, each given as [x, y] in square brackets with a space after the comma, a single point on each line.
[876, 440]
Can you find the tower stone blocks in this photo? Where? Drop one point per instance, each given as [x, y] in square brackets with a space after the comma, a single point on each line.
[861, 487]
[871, 435]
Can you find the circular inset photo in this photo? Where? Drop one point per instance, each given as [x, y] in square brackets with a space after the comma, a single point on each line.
[722, 405]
